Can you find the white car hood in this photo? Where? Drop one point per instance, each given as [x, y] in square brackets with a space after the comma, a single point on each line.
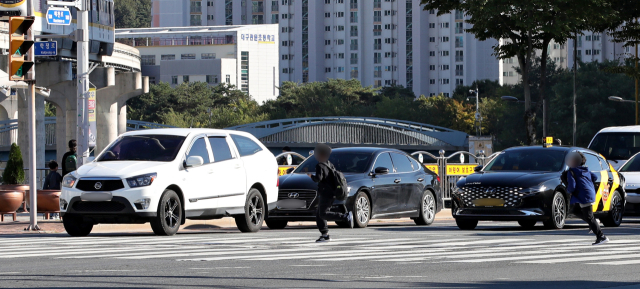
[122, 169]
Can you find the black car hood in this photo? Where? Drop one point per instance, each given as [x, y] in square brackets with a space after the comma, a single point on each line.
[304, 182]
[507, 179]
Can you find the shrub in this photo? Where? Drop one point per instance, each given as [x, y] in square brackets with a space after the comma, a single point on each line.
[14, 172]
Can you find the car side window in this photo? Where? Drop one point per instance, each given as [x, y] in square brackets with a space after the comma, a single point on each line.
[401, 163]
[199, 148]
[415, 163]
[220, 149]
[604, 164]
[384, 161]
[592, 162]
[245, 145]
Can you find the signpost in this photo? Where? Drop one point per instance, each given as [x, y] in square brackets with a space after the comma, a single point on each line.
[46, 48]
[91, 109]
[58, 16]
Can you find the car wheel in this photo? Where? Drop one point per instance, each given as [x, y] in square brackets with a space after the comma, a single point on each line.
[527, 224]
[427, 209]
[362, 210]
[251, 220]
[169, 217]
[614, 218]
[276, 224]
[558, 212]
[466, 224]
[76, 226]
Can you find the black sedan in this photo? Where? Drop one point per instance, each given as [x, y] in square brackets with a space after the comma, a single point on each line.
[383, 184]
[528, 185]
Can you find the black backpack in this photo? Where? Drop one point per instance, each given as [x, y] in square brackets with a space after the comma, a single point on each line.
[341, 191]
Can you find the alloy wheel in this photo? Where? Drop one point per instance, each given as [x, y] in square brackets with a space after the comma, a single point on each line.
[428, 206]
[255, 210]
[558, 211]
[362, 210]
[171, 217]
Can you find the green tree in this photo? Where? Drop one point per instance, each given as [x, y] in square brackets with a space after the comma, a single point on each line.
[132, 13]
[14, 171]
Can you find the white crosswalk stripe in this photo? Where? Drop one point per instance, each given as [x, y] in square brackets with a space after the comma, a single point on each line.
[443, 248]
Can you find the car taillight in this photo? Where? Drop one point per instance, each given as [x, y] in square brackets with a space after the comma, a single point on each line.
[438, 178]
[278, 182]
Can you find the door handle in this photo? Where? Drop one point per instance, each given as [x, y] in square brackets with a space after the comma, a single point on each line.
[397, 181]
[420, 179]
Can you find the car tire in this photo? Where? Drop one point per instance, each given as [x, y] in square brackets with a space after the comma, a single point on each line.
[361, 210]
[466, 224]
[169, 216]
[527, 224]
[76, 226]
[558, 212]
[276, 224]
[427, 209]
[253, 217]
[614, 218]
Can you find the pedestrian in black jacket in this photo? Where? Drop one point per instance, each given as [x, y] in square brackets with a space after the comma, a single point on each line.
[326, 192]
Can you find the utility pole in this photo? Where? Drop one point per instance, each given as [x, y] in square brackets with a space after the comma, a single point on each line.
[31, 106]
[636, 80]
[575, 73]
[82, 72]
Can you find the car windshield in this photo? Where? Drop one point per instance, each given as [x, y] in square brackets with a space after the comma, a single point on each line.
[632, 165]
[540, 160]
[155, 148]
[616, 145]
[345, 162]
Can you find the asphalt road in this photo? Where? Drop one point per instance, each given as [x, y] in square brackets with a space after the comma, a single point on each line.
[398, 255]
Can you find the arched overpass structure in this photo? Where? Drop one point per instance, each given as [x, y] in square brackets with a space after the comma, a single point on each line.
[355, 131]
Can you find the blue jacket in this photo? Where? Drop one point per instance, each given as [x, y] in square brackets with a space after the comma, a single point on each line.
[581, 187]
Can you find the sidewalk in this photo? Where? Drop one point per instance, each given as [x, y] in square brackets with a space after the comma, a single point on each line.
[55, 226]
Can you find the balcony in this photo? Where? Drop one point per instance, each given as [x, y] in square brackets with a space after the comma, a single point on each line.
[459, 72]
[196, 9]
[275, 8]
[354, 46]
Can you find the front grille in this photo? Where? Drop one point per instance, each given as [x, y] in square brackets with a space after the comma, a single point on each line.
[98, 207]
[105, 185]
[510, 195]
[307, 196]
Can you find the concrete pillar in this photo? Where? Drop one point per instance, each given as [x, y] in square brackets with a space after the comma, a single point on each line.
[23, 125]
[122, 118]
[106, 122]
[61, 133]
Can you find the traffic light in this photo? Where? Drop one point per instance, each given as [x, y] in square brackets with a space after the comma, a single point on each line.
[19, 46]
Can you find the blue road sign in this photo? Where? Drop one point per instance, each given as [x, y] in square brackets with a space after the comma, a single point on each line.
[46, 48]
[58, 16]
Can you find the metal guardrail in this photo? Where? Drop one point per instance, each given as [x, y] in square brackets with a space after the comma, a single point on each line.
[133, 125]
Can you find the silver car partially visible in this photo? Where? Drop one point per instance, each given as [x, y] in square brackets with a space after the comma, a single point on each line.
[631, 172]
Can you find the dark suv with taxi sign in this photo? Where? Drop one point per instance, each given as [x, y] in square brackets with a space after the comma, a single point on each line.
[525, 184]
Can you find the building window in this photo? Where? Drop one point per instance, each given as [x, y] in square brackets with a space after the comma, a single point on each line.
[174, 79]
[377, 16]
[340, 41]
[444, 25]
[354, 72]
[377, 30]
[354, 31]
[327, 56]
[432, 39]
[340, 55]
[257, 19]
[188, 56]
[390, 68]
[459, 41]
[432, 67]
[377, 43]
[459, 70]
[168, 57]
[244, 71]
[148, 60]
[596, 52]
[444, 81]
[208, 56]
[444, 53]
[327, 69]
[377, 71]
[459, 15]
[340, 68]
[432, 11]
[444, 39]
[354, 44]
[185, 78]
[152, 79]
[257, 7]
[444, 67]
[587, 38]
[459, 56]
[353, 4]
[285, 56]
[340, 14]
[354, 17]
[327, 28]
[327, 42]
[275, 17]
[377, 83]
[228, 78]
[376, 4]
[195, 20]
[587, 52]
[432, 53]
[285, 70]
[340, 28]
[327, 15]
[212, 79]
[432, 81]
[377, 57]
[354, 58]
[459, 81]
[459, 28]
[432, 25]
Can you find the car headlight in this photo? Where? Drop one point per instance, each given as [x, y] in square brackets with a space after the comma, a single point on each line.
[142, 180]
[69, 180]
[533, 190]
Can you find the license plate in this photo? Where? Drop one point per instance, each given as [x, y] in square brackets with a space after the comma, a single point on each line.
[490, 202]
[96, 196]
[292, 204]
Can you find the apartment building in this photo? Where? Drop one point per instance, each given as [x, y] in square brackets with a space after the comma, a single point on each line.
[379, 42]
[243, 55]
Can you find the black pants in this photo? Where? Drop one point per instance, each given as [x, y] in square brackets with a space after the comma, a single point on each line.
[586, 214]
[323, 214]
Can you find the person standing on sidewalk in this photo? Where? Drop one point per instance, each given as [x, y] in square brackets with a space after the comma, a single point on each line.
[70, 158]
[53, 182]
[583, 193]
[326, 180]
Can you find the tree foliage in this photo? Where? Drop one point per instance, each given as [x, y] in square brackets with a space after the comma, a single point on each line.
[132, 13]
[14, 171]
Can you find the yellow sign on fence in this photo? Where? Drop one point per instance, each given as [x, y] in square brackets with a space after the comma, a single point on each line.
[282, 170]
[454, 170]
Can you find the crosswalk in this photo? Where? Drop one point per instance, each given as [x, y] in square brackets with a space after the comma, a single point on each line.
[296, 247]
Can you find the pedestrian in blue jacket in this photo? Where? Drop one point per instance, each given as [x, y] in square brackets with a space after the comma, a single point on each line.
[583, 193]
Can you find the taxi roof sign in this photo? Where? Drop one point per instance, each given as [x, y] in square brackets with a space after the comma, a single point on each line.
[548, 141]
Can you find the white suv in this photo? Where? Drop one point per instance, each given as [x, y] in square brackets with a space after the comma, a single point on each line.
[164, 176]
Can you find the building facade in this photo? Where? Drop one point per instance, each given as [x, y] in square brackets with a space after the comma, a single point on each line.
[379, 42]
[244, 56]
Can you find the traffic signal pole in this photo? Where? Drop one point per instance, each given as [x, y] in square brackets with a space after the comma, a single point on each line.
[31, 106]
[82, 70]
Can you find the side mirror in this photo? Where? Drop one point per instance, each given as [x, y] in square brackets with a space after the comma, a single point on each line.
[477, 168]
[290, 170]
[381, 171]
[194, 161]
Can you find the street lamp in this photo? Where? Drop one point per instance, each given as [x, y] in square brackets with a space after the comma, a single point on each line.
[620, 99]
[478, 115]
